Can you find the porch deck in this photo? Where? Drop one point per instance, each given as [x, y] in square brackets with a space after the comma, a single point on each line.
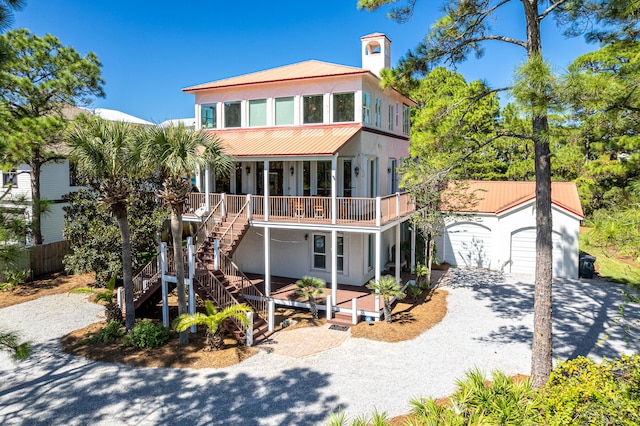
[283, 292]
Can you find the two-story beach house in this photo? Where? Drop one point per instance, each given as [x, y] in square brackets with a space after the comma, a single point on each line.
[314, 187]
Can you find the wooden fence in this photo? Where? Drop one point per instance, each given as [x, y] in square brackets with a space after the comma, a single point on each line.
[47, 258]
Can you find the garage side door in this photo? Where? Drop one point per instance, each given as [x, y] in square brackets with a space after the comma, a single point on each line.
[468, 245]
[523, 252]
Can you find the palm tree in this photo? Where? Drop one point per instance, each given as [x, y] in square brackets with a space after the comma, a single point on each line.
[310, 287]
[176, 152]
[6, 12]
[213, 321]
[102, 152]
[388, 288]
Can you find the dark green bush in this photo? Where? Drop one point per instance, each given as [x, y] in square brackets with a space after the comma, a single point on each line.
[109, 334]
[147, 334]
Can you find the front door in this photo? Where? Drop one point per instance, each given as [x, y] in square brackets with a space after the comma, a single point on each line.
[276, 178]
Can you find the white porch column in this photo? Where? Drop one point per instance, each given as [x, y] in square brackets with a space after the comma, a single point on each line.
[354, 311]
[265, 189]
[250, 329]
[413, 248]
[378, 211]
[165, 285]
[272, 315]
[329, 310]
[267, 261]
[334, 264]
[207, 203]
[378, 267]
[223, 205]
[249, 207]
[398, 263]
[334, 189]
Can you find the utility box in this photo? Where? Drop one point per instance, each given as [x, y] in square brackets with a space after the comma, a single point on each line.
[587, 266]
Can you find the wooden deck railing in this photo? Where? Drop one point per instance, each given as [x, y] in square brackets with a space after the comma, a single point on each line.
[197, 200]
[208, 225]
[145, 278]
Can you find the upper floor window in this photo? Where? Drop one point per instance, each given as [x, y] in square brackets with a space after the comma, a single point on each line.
[284, 111]
[343, 107]
[257, 112]
[208, 116]
[378, 112]
[390, 117]
[312, 109]
[406, 119]
[366, 107]
[10, 178]
[232, 114]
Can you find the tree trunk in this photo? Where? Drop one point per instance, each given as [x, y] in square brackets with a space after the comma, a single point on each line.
[120, 213]
[387, 311]
[429, 260]
[542, 356]
[313, 307]
[36, 212]
[176, 232]
[215, 340]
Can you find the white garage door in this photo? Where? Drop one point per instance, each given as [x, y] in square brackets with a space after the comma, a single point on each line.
[523, 252]
[468, 244]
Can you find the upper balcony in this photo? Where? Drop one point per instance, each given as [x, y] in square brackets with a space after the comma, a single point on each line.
[306, 210]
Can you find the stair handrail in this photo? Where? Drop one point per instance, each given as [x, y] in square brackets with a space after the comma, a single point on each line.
[150, 272]
[235, 218]
[258, 301]
[222, 297]
[203, 230]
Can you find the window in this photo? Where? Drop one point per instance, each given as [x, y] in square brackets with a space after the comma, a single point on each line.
[232, 114]
[324, 178]
[390, 117]
[319, 252]
[378, 113]
[312, 109]
[10, 178]
[343, 107]
[257, 112]
[366, 107]
[208, 116]
[406, 117]
[340, 254]
[284, 111]
[73, 174]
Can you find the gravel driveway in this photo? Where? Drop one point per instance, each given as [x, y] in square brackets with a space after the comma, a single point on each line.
[488, 325]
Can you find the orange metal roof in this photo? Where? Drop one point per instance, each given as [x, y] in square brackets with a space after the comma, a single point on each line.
[286, 141]
[499, 196]
[300, 70]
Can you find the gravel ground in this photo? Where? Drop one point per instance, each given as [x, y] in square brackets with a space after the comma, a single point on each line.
[488, 325]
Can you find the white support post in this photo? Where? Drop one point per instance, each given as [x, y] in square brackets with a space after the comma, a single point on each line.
[334, 189]
[249, 207]
[334, 264]
[207, 202]
[120, 299]
[267, 263]
[165, 285]
[413, 249]
[378, 211]
[265, 190]
[216, 254]
[223, 204]
[397, 204]
[329, 308]
[378, 266]
[354, 311]
[397, 254]
[250, 329]
[272, 315]
[191, 254]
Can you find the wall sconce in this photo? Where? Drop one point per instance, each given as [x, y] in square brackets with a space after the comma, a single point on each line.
[291, 170]
[357, 170]
[306, 237]
[389, 170]
[248, 169]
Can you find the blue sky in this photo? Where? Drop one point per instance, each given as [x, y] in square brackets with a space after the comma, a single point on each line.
[150, 50]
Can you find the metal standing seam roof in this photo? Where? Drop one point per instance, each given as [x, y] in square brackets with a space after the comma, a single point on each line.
[499, 196]
[297, 71]
[286, 141]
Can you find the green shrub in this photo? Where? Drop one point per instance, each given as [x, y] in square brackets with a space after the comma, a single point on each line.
[583, 392]
[109, 334]
[147, 334]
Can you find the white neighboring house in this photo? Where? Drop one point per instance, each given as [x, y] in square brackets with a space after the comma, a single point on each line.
[56, 179]
[498, 232]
